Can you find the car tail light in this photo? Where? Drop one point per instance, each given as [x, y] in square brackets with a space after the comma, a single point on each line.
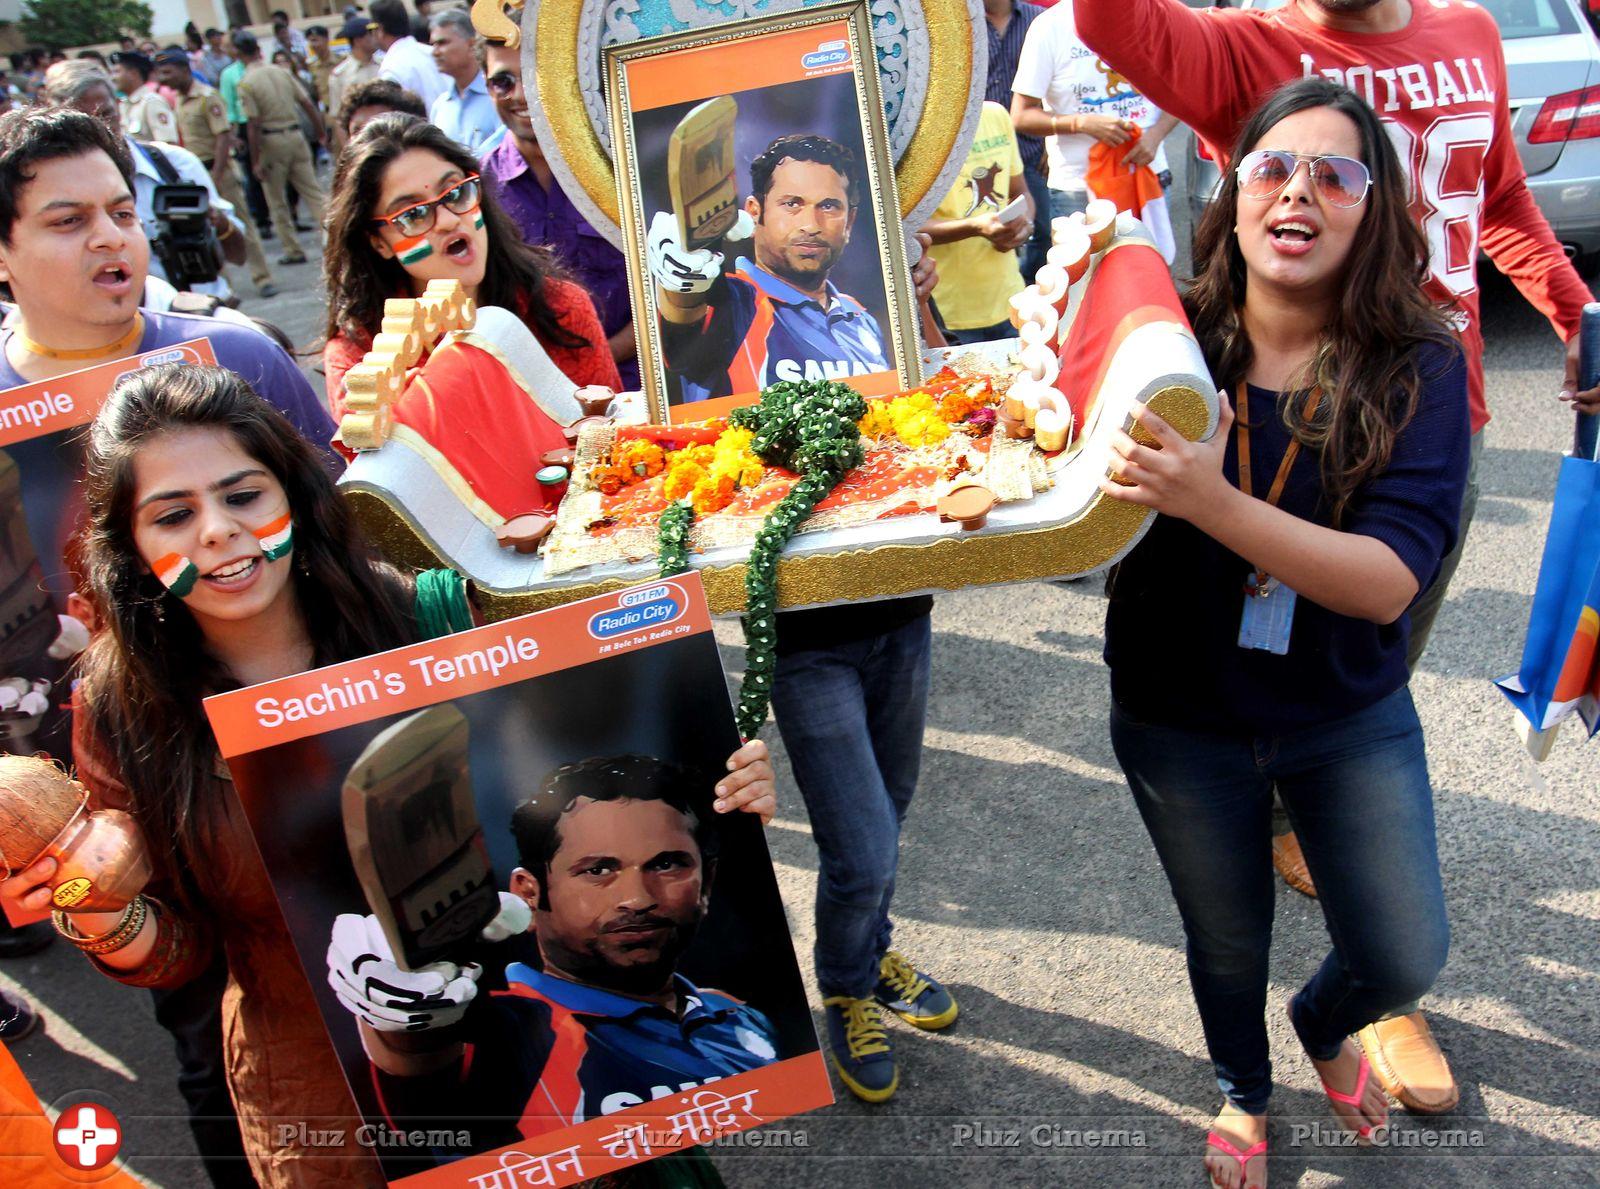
[1574, 115]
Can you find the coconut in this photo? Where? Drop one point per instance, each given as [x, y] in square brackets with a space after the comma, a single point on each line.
[37, 801]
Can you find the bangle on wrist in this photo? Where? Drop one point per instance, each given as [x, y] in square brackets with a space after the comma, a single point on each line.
[120, 935]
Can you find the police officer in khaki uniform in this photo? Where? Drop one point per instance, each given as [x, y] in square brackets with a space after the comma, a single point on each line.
[319, 61]
[272, 101]
[145, 115]
[359, 66]
[204, 130]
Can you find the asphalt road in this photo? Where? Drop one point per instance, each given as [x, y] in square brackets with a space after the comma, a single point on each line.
[1028, 884]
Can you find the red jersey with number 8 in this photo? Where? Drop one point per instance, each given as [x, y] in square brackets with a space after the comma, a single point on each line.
[1439, 85]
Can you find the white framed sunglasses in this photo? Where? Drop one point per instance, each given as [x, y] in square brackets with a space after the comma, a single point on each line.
[1341, 181]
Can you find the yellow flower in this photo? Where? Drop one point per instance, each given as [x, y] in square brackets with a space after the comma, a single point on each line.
[878, 423]
[733, 460]
[681, 479]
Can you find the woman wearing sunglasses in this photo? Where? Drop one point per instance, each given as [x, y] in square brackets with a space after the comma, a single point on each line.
[1292, 544]
[408, 208]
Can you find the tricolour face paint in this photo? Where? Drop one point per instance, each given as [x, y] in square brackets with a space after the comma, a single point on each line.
[477, 219]
[277, 538]
[413, 250]
[177, 573]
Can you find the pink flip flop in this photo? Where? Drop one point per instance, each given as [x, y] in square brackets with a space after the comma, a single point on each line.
[1227, 1149]
[1354, 1099]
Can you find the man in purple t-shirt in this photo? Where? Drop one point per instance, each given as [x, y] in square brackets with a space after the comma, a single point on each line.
[522, 181]
[76, 260]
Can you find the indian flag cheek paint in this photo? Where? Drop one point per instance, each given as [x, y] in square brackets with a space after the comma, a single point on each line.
[277, 538]
[477, 218]
[413, 250]
[177, 573]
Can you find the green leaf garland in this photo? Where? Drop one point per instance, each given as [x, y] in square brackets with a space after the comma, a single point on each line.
[672, 534]
[810, 428]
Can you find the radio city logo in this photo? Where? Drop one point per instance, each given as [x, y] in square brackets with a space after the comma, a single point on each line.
[87, 1136]
[642, 607]
[178, 354]
[829, 53]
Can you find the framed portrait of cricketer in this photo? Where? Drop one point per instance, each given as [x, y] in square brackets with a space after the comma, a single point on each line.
[758, 205]
[42, 617]
[538, 954]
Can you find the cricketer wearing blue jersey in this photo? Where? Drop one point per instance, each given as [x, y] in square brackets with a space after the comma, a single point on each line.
[548, 1053]
[616, 876]
[776, 316]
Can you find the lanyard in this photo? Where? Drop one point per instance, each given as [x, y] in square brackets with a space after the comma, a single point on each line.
[1241, 427]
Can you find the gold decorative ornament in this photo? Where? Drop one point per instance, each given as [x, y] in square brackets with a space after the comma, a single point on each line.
[559, 33]
[411, 327]
[489, 18]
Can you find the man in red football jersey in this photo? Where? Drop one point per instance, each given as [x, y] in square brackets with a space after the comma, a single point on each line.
[1434, 71]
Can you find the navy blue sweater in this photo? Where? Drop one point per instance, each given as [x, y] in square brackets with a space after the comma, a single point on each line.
[1172, 626]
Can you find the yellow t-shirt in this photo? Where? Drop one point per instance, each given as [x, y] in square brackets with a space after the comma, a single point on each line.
[975, 281]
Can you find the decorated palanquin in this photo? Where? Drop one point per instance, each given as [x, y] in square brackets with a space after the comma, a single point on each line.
[988, 472]
[920, 448]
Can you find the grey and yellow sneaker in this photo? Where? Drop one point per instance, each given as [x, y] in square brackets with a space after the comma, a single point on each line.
[915, 997]
[860, 1049]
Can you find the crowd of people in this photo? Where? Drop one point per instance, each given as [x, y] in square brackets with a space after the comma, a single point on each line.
[1300, 558]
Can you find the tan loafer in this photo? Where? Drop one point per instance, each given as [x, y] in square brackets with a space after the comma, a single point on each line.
[1408, 1064]
[1290, 864]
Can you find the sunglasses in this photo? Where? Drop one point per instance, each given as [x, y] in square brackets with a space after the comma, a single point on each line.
[502, 83]
[1341, 181]
[461, 199]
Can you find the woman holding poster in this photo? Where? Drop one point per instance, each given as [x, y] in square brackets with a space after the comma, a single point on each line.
[223, 557]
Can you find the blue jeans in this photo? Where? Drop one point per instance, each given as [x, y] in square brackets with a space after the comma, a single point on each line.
[1068, 202]
[1033, 252]
[851, 718]
[1358, 796]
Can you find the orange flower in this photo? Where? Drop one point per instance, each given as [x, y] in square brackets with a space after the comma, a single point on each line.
[610, 479]
[957, 406]
[681, 478]
[712, 494]
[644, 458]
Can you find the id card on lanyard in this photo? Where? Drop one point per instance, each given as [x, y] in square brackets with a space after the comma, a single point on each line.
[1268, 617]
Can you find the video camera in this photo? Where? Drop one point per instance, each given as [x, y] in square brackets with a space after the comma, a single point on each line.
[186, 243]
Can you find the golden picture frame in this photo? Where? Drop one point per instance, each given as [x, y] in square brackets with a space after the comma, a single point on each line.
[558, 37]
[694, 116]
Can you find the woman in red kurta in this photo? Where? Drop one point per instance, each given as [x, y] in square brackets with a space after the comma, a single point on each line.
[407, 209]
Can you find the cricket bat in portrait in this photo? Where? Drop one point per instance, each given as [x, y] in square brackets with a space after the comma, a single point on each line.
[415, 840]
[700, 176]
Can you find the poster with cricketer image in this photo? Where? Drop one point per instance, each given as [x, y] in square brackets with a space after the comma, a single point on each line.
[41, 625]
[757, 194]
[540, 956]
